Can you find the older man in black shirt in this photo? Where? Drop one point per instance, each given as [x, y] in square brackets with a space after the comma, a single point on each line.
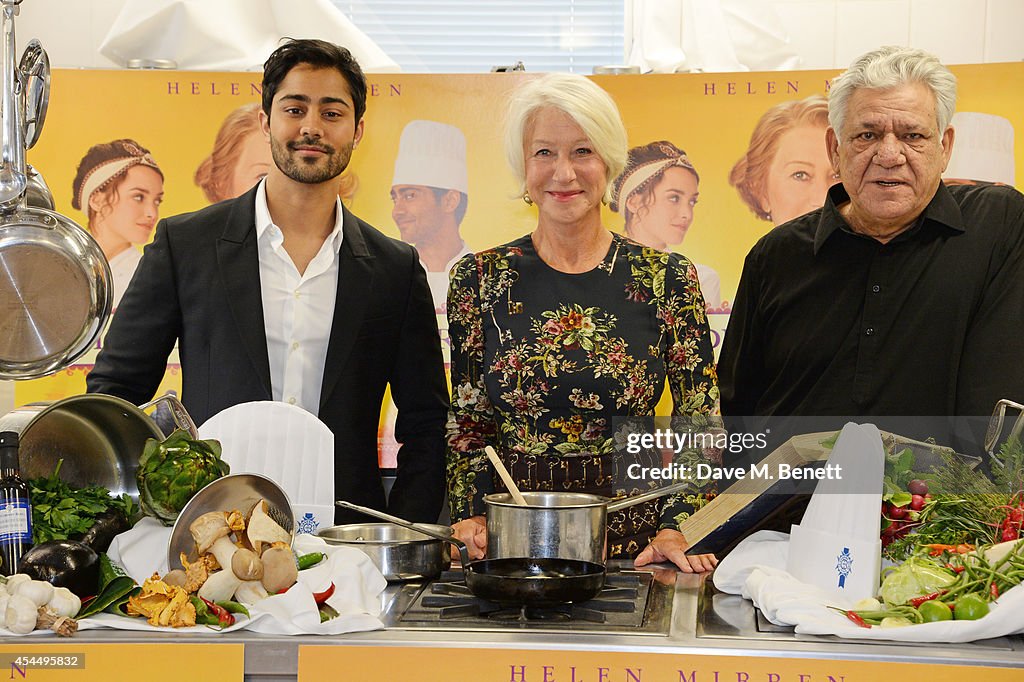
[900, 296]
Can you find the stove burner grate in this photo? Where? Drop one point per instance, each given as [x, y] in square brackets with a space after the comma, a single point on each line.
[453, 600]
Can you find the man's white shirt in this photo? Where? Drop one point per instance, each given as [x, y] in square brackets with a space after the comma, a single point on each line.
[298, 310]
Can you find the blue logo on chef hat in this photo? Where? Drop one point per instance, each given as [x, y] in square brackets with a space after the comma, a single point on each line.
[844, 566]
[308, 524]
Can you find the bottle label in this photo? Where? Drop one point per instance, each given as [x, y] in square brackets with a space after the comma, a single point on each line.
[15, 521]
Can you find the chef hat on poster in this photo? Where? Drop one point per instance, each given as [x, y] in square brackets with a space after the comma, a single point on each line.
[230, 35]
[982, 148]
[432, 154]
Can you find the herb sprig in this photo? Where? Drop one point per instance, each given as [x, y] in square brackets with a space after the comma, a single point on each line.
[60, 511]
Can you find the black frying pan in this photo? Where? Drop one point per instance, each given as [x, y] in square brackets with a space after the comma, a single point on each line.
[529, 582]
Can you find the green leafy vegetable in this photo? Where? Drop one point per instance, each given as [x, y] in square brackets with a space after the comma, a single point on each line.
[60, 512]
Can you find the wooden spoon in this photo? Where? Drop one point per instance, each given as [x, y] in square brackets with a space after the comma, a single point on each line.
[506, 477]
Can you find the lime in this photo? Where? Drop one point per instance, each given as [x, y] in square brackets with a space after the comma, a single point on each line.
[970, 607]
[932, 611]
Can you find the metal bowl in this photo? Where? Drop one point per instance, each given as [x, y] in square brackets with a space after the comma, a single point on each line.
[98, 437]
[235, 491]
[399, 553]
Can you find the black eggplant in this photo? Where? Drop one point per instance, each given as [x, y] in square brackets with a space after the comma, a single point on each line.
[64, 563]
[107, 525]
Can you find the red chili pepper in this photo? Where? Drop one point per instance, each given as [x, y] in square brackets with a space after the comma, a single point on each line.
[955, 569]
[852, 615]
[321, 597]
[224, 617]
[993, 590]
[917, 601]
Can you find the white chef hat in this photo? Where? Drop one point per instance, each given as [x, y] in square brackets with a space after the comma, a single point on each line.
[433, 154]
[982, 148]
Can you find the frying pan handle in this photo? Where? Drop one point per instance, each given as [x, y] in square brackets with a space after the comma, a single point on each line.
[178, 411]
[616, 505]
[995, 425]
[430, 532]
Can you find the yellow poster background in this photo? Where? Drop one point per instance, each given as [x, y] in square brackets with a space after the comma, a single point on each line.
[177, 114]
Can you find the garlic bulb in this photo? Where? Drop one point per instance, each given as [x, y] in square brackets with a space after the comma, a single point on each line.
[15, 581]
[21, 615]
[64, 602]
[39, 591]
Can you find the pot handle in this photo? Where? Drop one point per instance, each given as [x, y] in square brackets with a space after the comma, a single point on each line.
[430, 532]
[616, 505]
[178, 411]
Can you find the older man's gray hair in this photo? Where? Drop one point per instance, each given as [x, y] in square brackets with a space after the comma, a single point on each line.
[890, 67]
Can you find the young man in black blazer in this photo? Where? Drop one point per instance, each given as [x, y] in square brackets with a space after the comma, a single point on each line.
[282, 294]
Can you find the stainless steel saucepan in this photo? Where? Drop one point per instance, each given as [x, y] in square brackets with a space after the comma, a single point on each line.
[400, 554]
[557, 524]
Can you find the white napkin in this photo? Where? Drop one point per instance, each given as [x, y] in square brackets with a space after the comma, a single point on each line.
[286, 444]
[142, 549]
[755, 569]
[357, 588]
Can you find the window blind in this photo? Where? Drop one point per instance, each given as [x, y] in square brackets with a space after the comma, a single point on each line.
[472, 36]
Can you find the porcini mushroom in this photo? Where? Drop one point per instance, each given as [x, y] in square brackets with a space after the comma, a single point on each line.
[246, 564]
[210, 531]
[263, 530]
[279, 569]
[220, 586]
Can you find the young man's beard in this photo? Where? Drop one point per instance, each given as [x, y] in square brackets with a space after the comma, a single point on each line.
[310, 171]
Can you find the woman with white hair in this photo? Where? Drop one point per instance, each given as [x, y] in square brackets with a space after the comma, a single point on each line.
[560, 332]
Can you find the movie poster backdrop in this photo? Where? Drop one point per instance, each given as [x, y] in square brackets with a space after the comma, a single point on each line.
[200, 131]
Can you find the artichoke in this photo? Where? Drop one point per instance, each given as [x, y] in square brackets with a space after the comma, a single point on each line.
[172, 471]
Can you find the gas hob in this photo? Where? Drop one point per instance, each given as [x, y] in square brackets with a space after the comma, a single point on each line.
[632, 602]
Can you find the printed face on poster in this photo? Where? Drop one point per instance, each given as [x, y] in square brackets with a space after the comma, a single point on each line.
[716, 161]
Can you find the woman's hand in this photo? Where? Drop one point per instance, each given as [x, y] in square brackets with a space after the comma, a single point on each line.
[670, 545]
[473, 532]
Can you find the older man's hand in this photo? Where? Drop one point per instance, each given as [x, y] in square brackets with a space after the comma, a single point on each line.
[670, 545]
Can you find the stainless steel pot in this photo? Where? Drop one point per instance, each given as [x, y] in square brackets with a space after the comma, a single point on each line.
[400, 554]
[55, 283]
[556, 524]
[515, 581]
[99, 437]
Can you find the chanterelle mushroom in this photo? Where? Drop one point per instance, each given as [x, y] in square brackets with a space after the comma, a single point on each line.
[263, 529]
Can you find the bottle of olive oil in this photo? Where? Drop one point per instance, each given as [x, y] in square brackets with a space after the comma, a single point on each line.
[15, 507]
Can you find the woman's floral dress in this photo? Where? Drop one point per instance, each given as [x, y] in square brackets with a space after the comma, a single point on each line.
[543, 363]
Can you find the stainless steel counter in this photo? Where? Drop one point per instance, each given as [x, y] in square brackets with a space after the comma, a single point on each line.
[702, 623]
